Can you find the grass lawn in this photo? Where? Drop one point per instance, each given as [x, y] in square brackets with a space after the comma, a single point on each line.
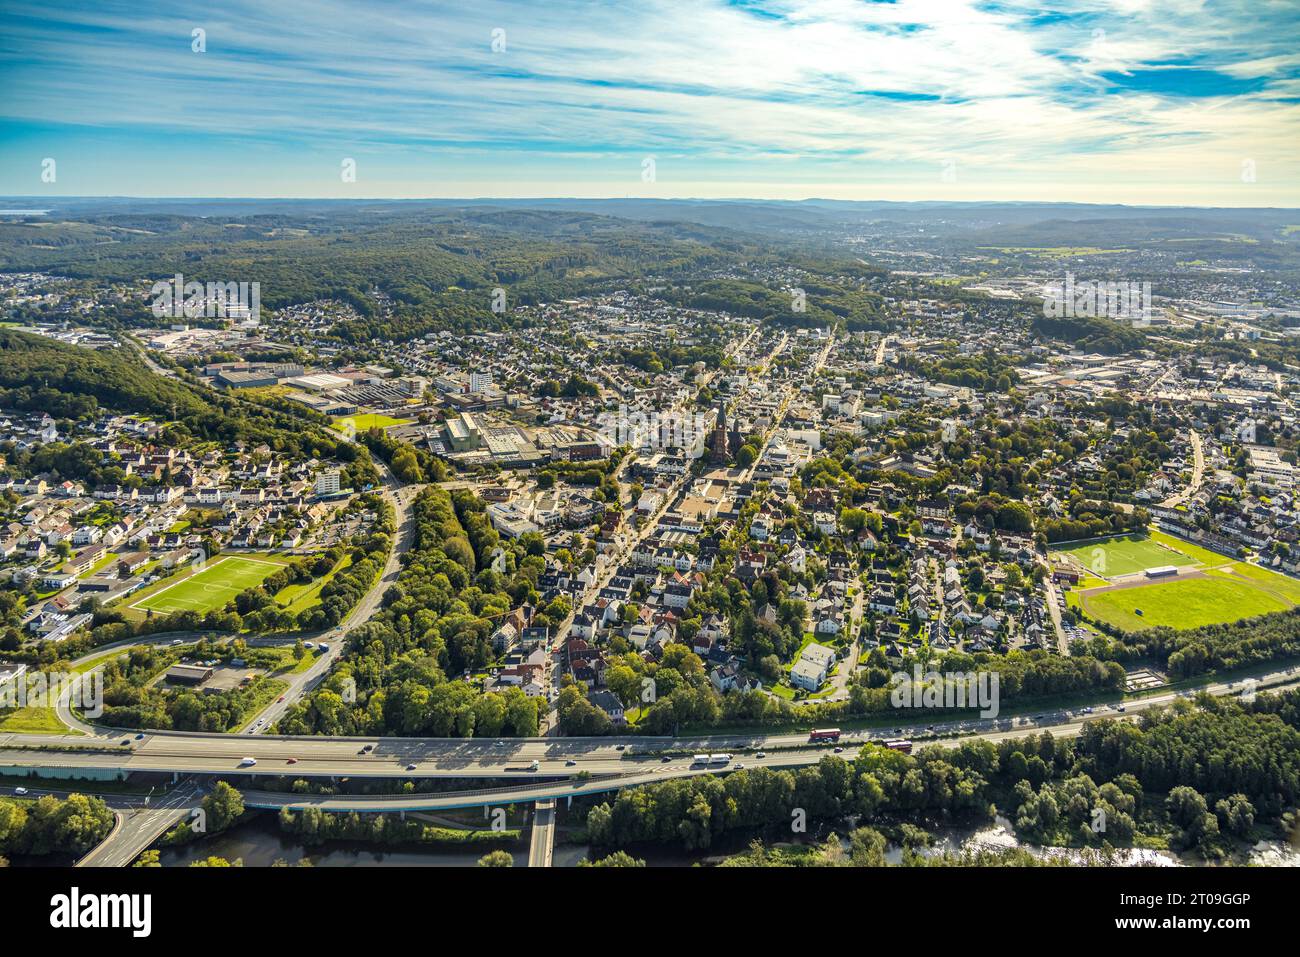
[1187, 603]
[33, 720]
[1129, 554]
[288, 666]
[367, 420]
[301, 596]
[1275, 583]
[211, 587]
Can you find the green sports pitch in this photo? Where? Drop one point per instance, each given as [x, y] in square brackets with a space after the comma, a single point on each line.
[1128, 554]
[211, 587]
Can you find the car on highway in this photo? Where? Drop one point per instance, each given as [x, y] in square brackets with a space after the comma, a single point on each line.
[570, 763]
[410, 767]
[739, 766]
[140, 736]
[761, 755]
[20, 791]
[839, 750]
[534, 766]
[1120, 707]
[665, 759]
[247, 762]
[621, 747]
[177, 641]
[292, 761]
[279, 699]
[126, 742]
[367, 749]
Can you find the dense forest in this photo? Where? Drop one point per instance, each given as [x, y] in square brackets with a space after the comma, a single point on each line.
[1196, 776]
[51, 825]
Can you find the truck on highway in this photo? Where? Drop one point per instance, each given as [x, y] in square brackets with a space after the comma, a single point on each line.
[719, 758]
[700, 759]
[824, 734]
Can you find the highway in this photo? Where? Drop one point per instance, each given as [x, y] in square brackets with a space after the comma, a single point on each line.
[137, 828]
[639, 757]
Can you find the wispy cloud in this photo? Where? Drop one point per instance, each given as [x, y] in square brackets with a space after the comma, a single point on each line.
[1104, 99]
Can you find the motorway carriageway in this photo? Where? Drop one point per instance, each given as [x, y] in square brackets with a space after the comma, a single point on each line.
[633, 757]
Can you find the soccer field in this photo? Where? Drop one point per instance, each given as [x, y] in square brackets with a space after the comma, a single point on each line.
[1126, 554]
[210, 588]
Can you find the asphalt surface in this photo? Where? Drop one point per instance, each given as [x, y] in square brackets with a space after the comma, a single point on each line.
[542, 842]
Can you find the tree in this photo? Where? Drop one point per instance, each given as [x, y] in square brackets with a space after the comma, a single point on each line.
[223, 806]
[496, 859]
[617, 859]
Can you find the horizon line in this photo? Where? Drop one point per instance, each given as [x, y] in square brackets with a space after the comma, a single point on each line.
[601, 199]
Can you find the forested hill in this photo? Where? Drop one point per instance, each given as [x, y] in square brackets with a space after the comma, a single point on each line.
[446, 261]
[72, 382]
[439, 266]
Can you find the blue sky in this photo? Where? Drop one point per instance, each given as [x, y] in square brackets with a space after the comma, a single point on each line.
[1135, 101]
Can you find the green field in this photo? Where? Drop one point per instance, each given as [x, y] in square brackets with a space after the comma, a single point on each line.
[1190, 603]
[1221, 589]
[212, 587]
[301, 596]
[367, 420]
[1130, 554]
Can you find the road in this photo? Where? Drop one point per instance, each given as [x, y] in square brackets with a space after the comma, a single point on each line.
[640, 757]
[137, 828]
[542, 843]
[1198, 474]
[1054, 611]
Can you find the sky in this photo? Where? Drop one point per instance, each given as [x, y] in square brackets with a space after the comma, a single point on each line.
[1169, 102]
